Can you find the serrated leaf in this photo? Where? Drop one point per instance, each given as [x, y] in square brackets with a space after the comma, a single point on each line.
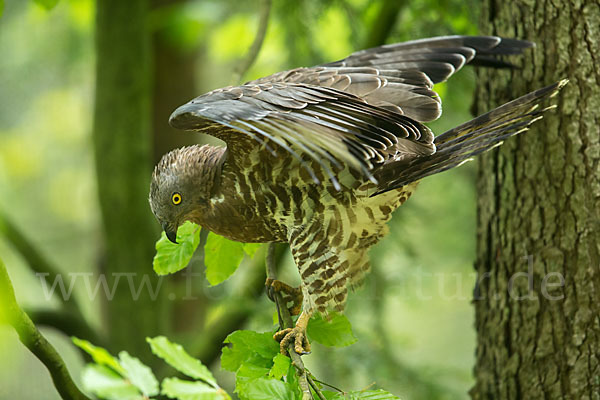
[251, 248]
[248, 373]
[179, 359]
[332, 331]
[171, 257]
[99, 355]
[249, 347]
[222, 257]
[281, 365]
[107, 384]
[47, 4]
[268, 389]
[138, 374]
[185, 390]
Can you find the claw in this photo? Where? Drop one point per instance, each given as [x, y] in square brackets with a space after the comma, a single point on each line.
[293, 335]
[296, 335]
[292, 294]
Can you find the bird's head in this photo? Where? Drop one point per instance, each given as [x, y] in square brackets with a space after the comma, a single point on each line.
[181, 185]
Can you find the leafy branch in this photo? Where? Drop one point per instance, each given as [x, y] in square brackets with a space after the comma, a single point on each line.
[31, 337]
[285, 321]
[261, 371]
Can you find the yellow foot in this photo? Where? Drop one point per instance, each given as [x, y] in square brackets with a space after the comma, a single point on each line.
[296, 335]
[292, 294]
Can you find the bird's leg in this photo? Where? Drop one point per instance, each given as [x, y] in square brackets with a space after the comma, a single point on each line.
[297, 334]
[292, 294]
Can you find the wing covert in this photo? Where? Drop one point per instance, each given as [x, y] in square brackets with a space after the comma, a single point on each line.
[400, 76]
[327, 125]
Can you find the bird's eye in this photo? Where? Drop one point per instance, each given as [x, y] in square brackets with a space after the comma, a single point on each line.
[176, 198]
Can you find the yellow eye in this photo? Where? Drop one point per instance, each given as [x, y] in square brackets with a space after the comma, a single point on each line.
[176, 198]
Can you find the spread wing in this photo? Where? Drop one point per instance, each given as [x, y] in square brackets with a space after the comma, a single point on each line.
[360, 111]
[329, 126]
[400, 77]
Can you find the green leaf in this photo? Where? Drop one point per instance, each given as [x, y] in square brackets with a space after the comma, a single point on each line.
[1, 7]
[268, 389]
[251, 248]
[222, 257]
[281, 365]
[179, 359]
[248, 373]
[249, 347]
[139, 374]
[47, 4]
[99, 355]
[185, 390]
[107, 384]
[171, 257]
[334, 331]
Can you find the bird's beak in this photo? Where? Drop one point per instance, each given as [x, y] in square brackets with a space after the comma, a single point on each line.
[171, 234]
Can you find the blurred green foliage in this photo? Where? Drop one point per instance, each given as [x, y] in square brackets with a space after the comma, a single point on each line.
[412, 318]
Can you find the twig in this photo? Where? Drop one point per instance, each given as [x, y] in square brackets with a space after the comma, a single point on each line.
[315, 388]
[246, 63]
[35, 341]
[327, 384]
[285, 321]
[20, 242]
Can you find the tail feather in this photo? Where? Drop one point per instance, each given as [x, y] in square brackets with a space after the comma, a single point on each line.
[461, 144]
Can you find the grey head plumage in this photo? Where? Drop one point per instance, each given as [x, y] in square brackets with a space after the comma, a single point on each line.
[182, 183]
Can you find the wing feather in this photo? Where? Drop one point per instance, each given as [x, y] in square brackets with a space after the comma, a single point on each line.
[362, 111]
[327, 125]
[400, 77]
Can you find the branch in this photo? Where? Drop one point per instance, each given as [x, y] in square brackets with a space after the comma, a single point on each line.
[246, 63]
[67, 323]
[285, 321]
[35, 341]
[33, 257]
[40, 265]
[384, 22]
[207, 347]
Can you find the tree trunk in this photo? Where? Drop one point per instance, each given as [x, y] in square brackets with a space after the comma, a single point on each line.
[537, 300]
[175, 68]
[122, 144]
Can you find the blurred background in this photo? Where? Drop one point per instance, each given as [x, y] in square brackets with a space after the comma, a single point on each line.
[413, 317]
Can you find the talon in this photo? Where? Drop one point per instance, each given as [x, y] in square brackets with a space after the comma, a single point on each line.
[293, 335]
[279, 335]
[292, 294]
[296, 335]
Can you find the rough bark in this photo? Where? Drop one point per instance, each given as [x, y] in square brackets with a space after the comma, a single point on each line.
[537, 300]
[122, 145]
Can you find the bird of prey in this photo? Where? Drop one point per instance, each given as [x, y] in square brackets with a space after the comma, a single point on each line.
[320, 157]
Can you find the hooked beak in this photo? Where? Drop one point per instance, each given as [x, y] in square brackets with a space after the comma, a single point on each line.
[171, 234]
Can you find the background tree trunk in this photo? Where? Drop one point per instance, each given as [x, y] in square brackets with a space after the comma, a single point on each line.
[537, 300]
[122, 144]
